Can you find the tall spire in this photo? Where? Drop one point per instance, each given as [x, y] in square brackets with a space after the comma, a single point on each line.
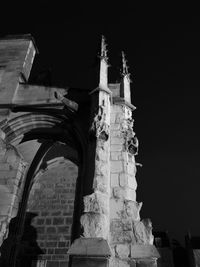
[103, 48]
[125, 67]
[125, 90]
[103, 71]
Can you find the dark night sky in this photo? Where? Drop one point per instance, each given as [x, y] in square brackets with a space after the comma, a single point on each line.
[162, 45]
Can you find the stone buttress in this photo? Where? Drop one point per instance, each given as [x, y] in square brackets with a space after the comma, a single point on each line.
[111, 218]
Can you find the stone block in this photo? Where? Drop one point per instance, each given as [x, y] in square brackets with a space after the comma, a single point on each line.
[40, 221]
[4, 166]
[144, 252]
[68, 220]
[101, 183]
[63, 229]
[58, 220]
[114, 179]
[115, 262]
[119, 117]
[96, 203]
[101, 168]
[123, 179]
[60, 251]
[118, 193]
[115, 155]
[114, 148]
[121, 225]
[132, 209]
[122, 237]
[115, 133]
[50, 230]
[143, 232]
[131, 169]
[115, 126]
[116, 166]
[116, 109]
[8, 174]
[116, 208]
[90, 247]
[112, 118]
[62, 244]
[132, 183]
[95, 225]
[122, 251]
[101, 154]
[124, 156]
[130, 194]
[116, 141]
[51, 244]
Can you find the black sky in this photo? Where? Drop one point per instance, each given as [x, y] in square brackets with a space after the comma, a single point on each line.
[162, 45]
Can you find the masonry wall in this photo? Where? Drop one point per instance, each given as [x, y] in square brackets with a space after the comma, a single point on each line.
[50, 213]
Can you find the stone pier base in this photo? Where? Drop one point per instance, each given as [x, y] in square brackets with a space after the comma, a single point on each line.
[86, 252]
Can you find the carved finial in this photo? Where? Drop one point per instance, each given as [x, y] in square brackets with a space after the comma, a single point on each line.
[124, 65]
[103, 48]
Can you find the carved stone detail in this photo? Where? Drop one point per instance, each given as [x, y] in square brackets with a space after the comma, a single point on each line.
[143, 231]
[130, 140]
[94, 225]
[99, 126]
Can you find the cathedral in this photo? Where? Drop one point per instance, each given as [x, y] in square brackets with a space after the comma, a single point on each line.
[68, 168]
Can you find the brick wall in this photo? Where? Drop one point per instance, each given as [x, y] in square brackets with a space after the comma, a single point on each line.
[50, 212]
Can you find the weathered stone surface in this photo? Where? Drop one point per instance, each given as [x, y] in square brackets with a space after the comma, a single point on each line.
[143, 232]
[116, 208]
[130, 194]
[114, 148]
[123, 179]
[132, 183]
[90, 247]
[132, 209]
[102, 154]
[95, 225]
[122, 237]
[116, 262]
[115, 133]
[131, 168]
[116, 166]
[114, 179]
[96, 202]
[99, 126]
[122, 251]
[116, 140]
[101, 168]
[144, 251]
[123, 224]
[100, 184]
[116, 155]
[118, 192]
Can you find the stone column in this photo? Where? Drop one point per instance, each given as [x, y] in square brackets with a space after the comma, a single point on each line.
[131, 239]
[95, 221]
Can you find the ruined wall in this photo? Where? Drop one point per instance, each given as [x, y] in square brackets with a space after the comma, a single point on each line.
[51, 206]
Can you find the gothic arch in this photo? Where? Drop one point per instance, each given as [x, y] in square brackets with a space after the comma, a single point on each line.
[48, 129]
